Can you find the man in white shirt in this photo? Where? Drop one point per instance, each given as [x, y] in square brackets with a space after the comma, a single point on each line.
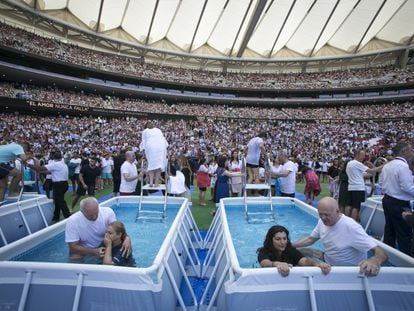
[107, 165]
[129, 175]
[356, 172]
[345, 241]
[60, 175]
[287, 174]
[85, 231]
[397, 184]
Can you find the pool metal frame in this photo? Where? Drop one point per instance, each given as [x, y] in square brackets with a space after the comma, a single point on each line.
[231, 279]
[25, 202]
[162, 278]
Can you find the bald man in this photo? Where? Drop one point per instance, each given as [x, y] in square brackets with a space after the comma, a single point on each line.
[344, 240]
[85, 232]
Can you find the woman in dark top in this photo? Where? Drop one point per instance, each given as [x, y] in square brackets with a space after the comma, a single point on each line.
[185, 168]
[278, 252]
[344, 199]
[113, 240]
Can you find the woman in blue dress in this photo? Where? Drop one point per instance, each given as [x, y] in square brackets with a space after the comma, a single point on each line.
[222, 182]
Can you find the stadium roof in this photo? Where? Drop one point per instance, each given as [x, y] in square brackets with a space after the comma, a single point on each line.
[243, 29]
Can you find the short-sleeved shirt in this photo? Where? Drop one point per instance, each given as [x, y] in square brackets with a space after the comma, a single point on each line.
[290, 255]
[58, 170]
[355, 171]
[120, 260]
[131, 170]
[10, 152]
[288, 183]
[89, 174]
[253, 150]
[345, 243]
[88, 233]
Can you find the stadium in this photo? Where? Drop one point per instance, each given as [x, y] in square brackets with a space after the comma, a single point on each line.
[324, 79]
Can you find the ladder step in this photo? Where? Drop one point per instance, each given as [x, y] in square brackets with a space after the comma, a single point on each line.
[159, 187]
[258, 186]
[259, 213]
[260, 220]
[152, 203]
[268, 202]
[151, 212]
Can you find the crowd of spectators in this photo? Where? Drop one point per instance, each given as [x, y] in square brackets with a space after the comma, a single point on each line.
[306, 141]
[54, 48]
[52, 94]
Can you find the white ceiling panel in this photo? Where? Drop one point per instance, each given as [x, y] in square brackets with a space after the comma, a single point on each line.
[297, 27]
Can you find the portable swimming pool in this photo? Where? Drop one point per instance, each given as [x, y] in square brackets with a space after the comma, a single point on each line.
[153, 285]
[19, 219]
[238, 286]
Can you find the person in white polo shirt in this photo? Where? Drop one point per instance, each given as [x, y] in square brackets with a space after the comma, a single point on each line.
[357, 171]
[60, 175]
[129, 175]
[287, 173]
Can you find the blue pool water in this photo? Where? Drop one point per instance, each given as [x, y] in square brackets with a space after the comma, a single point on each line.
[249, 236]
[147, 237]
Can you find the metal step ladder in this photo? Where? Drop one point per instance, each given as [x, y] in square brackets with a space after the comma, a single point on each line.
[265, 214]
[152, 210]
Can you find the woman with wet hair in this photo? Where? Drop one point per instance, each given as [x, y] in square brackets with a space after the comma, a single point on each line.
[278, 252]
[114, 237]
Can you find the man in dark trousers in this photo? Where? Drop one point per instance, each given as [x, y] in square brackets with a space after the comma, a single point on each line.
[87, 180]
[60, 175]
[397, 184]
[116, 173]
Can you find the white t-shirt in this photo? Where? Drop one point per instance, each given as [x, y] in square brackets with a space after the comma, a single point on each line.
[131, 170]
[78, 162]
[346, 243]
[177, 183]
[355, 171]
[288, 183]
[274, 169]
[58, 169]
[253, 150]
[107, 165]
[89, 233]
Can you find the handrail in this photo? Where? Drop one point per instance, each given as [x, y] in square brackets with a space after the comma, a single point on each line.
[22, 169]
[78, 291]
[141, 191]
[25, 291]
[259, 186]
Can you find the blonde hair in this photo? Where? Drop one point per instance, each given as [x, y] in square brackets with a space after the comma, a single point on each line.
[119, 228]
